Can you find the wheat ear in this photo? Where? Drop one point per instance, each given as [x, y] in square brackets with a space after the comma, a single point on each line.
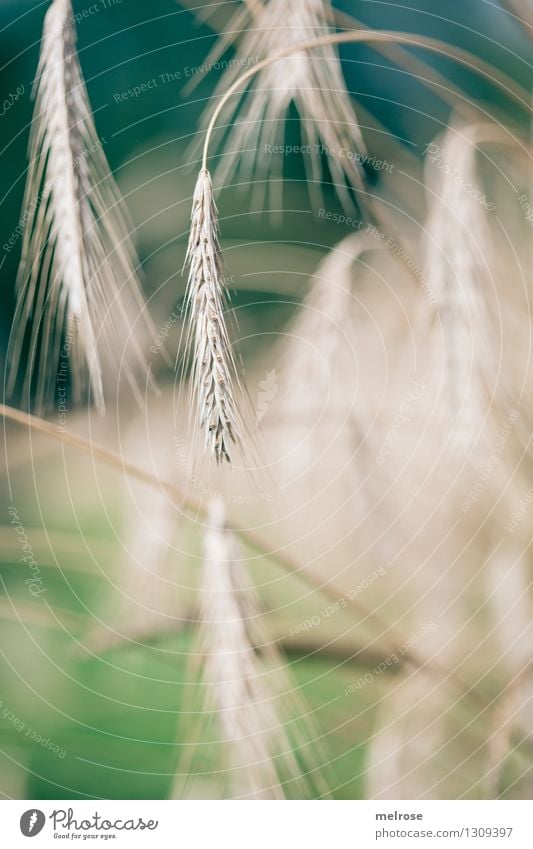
[245, 680]
[313, 83]
[214, 376]
[77, 283]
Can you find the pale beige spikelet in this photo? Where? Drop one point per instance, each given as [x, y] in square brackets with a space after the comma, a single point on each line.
[247, 686]
[311, 81]
[77, 286]
[214, 379]
[319, 363]
[458, 263]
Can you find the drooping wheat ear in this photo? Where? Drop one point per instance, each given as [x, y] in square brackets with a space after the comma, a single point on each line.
[313, 83]
[214, 375]
[203, 255]
[246, 684]
[77, 283]
[458, 250]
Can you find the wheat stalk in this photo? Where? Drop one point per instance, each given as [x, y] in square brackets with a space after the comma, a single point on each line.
[77, 283]
[513, 91]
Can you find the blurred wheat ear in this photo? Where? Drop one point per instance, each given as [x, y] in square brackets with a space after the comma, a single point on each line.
[246, 684]
[315, 404]
[458, 254]
[214, 380]
[77, 285]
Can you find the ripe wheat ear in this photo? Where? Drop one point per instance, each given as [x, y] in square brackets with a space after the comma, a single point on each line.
[214, 378]
[77, 279]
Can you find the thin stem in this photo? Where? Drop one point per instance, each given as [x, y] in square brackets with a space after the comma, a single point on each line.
[435, 45]
[97, 451]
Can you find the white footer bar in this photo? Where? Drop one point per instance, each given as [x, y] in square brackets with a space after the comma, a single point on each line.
[267, 825]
